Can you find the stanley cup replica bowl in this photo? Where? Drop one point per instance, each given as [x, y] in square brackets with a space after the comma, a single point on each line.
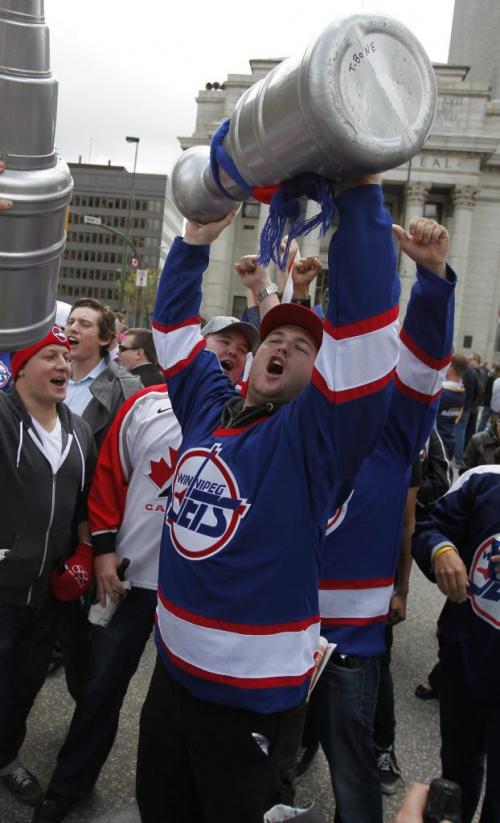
[360, 100]
[32, 232]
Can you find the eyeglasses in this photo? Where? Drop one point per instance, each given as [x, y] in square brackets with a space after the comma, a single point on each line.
[121, 347]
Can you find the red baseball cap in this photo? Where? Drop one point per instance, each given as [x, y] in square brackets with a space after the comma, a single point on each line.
[55, 337]
[293, 314]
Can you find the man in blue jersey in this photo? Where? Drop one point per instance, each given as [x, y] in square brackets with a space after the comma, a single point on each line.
[456, 548]
[237, 617]
[362, 547]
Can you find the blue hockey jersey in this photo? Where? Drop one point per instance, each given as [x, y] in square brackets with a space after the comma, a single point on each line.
[468, 517]
[238, 616]
[363, 539]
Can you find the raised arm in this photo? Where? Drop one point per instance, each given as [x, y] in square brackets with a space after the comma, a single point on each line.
[343, 410]
[176, 317]
[425, 342]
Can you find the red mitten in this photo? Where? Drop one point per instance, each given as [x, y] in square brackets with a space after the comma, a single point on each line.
[77, 575]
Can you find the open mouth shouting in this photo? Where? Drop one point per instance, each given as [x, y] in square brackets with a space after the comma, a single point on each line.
[227, 366]
[275, 366]
[60, 382]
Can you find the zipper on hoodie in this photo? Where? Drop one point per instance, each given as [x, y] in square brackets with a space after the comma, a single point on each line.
[47, 533]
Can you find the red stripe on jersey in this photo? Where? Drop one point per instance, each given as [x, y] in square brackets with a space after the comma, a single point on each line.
[239, 682]
[413, 393]
[430, 361]
[378, 321]
[372, 583]
[237, 628]
[346, 395]
[190, 321]
[354, 621]
[221, 432]
[183, 364]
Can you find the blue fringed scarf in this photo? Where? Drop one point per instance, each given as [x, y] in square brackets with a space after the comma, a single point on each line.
[285, 207]
[285, 204]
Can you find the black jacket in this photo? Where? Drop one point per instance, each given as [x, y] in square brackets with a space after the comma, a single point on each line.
[40, 509]
[149, 374]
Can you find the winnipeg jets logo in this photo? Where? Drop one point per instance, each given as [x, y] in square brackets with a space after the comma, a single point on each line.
[336, 519]
[58, 332]
[4, 375]
[206, 507]
[3, 554]
[484, 593]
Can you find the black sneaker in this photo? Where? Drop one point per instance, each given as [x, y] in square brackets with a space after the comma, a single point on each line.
[23, 785]
[388, 770]
[53, 809]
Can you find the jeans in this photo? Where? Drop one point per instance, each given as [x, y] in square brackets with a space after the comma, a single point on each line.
[385, 717]
[343, 706]
[470, 731]
[26, 636]
[115, 652]
[199, 762]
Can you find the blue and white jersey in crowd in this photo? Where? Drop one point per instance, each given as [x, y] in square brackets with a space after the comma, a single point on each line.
[468, 517]
[363, 541]
[238, 615]
[5, 371]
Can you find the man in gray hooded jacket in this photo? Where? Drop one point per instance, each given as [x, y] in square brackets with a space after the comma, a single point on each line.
[46, 460]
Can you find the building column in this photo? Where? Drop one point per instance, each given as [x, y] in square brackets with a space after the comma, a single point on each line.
[415, 199]
[464, 200]
[217, 286]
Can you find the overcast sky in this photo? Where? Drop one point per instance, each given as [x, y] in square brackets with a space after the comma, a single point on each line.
[134, 67]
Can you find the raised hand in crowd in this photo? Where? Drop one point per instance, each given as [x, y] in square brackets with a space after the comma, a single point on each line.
[426, 243]
[198, 235]
[4, 204]
[252, 276]
[303, 273]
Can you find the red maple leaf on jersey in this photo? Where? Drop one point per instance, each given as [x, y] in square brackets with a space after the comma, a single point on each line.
[160, 471]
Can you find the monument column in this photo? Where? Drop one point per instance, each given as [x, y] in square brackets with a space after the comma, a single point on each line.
[464, 200]
[415, 199]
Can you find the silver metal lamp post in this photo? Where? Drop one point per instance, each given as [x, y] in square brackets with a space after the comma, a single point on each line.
[135, 140]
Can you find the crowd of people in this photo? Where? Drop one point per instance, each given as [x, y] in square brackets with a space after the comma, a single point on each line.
[155, 456]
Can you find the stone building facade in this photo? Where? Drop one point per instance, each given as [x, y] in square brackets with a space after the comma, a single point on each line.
[455, 179]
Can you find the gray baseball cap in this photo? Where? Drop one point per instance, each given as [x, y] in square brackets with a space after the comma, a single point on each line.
[221, 323]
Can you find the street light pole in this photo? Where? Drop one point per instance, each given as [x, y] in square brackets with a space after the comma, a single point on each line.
[127, 229]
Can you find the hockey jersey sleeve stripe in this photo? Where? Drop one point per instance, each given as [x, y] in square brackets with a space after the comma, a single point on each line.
[433, 362]
[354, 621]
[350, 394]
[190, 321]
[417, 375]
[176, 349]
[241, 628]
[357, 583]
[370, 324]
[415, 395]
[356, 603]
[215, 654]
[357, 364]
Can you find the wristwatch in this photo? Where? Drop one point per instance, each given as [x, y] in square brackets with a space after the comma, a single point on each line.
[271, 288]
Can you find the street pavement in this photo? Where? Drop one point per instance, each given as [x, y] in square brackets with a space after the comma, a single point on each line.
[112, 801]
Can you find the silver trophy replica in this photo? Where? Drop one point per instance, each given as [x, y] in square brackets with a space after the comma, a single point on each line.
[32, 232]
[360, 100]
